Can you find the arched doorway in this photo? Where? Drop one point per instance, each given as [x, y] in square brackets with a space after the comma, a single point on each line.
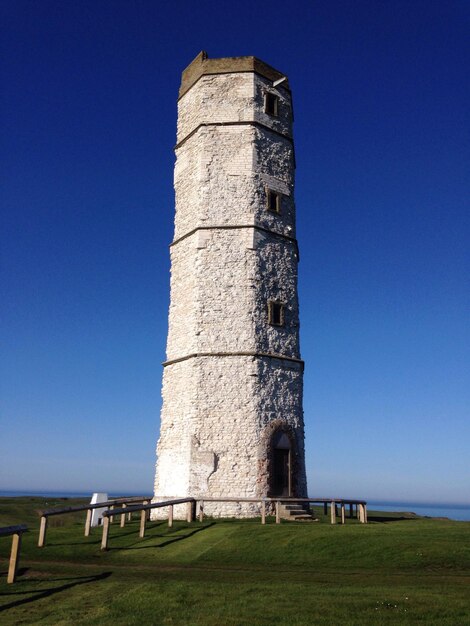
[281, 475]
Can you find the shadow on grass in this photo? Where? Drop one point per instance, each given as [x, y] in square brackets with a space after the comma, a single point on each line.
[138, 546]
[45, 593]
[86, 541]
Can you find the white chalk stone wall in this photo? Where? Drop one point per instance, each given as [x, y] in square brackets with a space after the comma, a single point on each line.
[230, 378]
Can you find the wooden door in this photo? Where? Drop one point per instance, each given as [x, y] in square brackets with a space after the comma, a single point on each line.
[281, 472]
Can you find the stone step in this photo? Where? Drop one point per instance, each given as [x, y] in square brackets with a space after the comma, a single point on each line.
[295, 513]
[301, 518]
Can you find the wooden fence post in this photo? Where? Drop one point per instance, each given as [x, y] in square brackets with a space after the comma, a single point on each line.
[143, 519]
[263, 512]
[14, 557]
[189, 512]
[201, 510]
[278, 512]
[42, 532]
[105, 536]
[170, 516]
[123, 516]
[365, 513]
[88, 522]
[343, 520]
[111, 517]
[333, 512]
[148, 511]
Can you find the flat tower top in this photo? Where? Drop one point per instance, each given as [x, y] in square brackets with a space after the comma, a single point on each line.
[203, 65]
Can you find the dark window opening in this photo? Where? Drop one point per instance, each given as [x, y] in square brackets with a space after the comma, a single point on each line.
[271, 103]
[276, 313]
[273, 201]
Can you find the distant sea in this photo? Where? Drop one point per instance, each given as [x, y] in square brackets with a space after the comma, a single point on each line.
[458, 512]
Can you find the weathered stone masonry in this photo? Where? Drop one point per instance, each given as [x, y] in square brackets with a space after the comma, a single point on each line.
[232, 382]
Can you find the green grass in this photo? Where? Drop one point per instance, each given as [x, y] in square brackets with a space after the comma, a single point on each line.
[396, 570]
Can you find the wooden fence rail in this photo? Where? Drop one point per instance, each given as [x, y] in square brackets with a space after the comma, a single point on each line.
[109, 504]
[16, 532]
[361, 506]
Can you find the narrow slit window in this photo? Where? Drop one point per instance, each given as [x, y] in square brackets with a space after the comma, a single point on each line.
[271, 103]
[275, 313]
[273, 201]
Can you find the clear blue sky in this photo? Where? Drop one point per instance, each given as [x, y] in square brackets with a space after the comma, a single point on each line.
[382, 144]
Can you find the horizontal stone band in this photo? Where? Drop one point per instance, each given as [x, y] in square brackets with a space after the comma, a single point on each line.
[238, 123]
[228, 354]
[236, 227]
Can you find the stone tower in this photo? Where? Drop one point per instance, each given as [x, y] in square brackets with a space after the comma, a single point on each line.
[232, 419]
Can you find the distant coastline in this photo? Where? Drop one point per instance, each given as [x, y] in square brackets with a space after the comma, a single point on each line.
[456, 512]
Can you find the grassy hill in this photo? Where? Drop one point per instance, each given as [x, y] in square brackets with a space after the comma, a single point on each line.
[398, 569]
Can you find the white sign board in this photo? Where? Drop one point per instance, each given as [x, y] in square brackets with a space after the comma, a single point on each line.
[97, 514]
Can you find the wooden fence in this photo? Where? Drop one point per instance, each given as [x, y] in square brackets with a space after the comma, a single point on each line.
[193, 503]
[110, 505]
[361, 506]
[127, 506]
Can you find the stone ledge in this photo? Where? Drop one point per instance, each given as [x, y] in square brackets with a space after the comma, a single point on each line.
[255, 123]
[236, 227]
[262, 355]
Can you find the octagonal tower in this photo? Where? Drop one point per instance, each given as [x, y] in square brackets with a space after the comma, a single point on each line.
[232, 419]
